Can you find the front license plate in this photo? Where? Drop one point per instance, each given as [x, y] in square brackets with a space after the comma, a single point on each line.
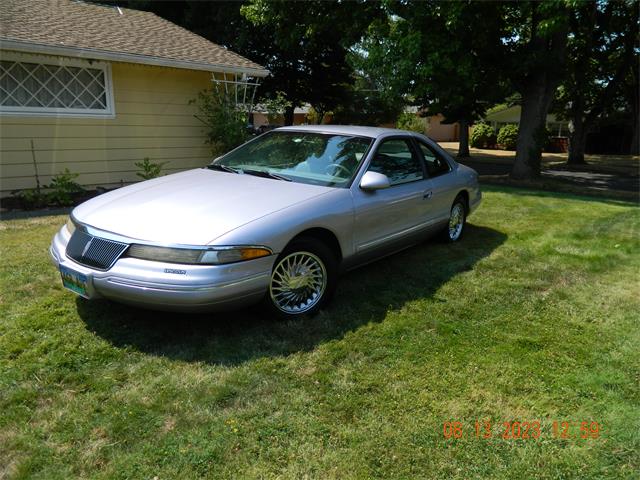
[74, 281]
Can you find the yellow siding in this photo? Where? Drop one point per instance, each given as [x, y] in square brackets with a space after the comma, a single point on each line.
[153, 118]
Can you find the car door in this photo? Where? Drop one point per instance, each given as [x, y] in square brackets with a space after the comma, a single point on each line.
[388, 216]
[443, 186]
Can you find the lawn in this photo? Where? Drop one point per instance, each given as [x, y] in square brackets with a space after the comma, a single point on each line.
[620, 164]
[532, 317]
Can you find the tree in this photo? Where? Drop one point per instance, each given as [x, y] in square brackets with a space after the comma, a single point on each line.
[275, 106]
[309, 43]
[458, 73]
[535, 48]
[428, 51]
[631, 95]
[226, 123]
[600, 59]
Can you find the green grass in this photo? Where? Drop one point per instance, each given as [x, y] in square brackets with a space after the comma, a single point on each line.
[533, 316]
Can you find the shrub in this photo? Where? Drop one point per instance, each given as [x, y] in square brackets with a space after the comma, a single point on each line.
[148, 169]
[64, 188]
[225, 120]
[276, 107]
[482, 136]
[507, 136]
[410, 121]
[31, 198]
[545, 138]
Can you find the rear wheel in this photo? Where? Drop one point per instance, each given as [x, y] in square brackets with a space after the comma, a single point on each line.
[303, 279]
[457, 220]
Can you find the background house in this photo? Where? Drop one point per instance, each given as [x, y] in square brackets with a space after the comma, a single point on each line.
[260, 116]
[434, 127]
[503, 115]
[442, 132]
[97, 88]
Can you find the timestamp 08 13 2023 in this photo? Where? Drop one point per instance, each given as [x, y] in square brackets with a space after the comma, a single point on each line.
[522, 430]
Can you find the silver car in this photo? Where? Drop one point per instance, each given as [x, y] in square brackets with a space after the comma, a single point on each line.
[275, 220]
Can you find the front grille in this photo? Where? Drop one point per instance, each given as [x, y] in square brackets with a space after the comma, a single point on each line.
[93, 251]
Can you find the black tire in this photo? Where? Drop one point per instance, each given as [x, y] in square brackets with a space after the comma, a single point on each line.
[458, 210]
[314, 260]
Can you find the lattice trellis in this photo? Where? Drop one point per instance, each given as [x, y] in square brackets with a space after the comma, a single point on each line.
[39, 87]
[239, 87]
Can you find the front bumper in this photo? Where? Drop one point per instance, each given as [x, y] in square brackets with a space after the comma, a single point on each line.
[170, 286]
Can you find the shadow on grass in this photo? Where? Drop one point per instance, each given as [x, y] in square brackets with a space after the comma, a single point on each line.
[364, 296]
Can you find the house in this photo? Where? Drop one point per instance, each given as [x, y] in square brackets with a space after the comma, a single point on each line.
[97, 88]
[434, 127]
[503, 115]
[442, 132]
[260, 116]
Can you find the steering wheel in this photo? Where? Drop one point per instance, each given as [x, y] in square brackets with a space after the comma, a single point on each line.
[334, 167]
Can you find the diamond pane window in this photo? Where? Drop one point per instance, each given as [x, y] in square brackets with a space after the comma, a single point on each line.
[73, 88]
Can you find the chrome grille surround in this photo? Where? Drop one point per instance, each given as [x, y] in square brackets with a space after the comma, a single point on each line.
[94, 252]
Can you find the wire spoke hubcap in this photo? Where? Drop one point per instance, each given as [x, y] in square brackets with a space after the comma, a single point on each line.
[298, 282]
[456, 221]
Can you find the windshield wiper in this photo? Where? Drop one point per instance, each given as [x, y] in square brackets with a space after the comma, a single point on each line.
[223, 168]
[266, 174]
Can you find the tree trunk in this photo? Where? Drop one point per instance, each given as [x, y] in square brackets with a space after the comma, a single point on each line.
[319, 115]
[635, 140]
[577, 141]
[634, 103]
[537, 93]
[536, 101]
[463, 146]
[288, 115]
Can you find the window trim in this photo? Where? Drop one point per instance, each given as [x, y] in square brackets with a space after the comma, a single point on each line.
[437, 154]
[414, 153]
[22, 111]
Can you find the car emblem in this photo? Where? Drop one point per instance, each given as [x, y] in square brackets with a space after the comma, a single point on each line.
[173, 270]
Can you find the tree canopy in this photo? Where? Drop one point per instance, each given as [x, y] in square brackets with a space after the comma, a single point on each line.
[365, 61]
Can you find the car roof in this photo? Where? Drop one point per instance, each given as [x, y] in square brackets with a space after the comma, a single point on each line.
[373, 132]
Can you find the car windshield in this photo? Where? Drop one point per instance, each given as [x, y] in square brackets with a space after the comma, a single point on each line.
[316, 158]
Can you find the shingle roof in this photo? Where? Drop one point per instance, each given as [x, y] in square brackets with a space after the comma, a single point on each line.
[140, 37]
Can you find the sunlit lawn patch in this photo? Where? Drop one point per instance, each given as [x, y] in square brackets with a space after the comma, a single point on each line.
[533, 316]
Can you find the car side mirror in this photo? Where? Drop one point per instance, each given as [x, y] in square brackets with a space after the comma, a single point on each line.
[372, 181]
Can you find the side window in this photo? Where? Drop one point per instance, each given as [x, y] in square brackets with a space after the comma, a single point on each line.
[396, 160]
[435, 164]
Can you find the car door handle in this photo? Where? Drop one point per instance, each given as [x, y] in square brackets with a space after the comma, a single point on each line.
[427, 195]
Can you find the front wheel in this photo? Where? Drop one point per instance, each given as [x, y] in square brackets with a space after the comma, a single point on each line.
[303, 279]
[457, 221]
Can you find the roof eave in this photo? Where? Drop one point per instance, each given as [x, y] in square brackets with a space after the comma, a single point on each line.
[90, 53]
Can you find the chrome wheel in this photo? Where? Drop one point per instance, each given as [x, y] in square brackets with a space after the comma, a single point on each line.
[298, 282]
[456, 222]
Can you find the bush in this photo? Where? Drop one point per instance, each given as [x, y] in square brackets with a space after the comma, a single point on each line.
[410, 121]
[31, 198]
[276, 107]
[507, 136]
[482, 136]
[148, 169]
[226, 122]
[64, 188]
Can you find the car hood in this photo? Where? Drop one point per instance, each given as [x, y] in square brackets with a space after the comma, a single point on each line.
[193, 207]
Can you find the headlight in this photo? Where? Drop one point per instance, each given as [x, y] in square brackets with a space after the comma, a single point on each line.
[71, 227]
[192, 256]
